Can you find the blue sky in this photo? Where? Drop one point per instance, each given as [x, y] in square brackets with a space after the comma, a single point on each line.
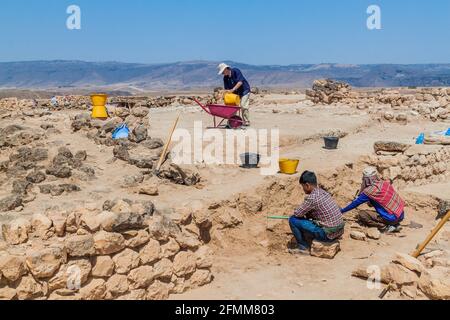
[249, 31]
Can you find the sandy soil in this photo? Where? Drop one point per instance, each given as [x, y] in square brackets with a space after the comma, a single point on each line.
[244, 269]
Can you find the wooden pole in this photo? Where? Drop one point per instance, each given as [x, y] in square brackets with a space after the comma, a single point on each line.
[433, 233]
[166, 147]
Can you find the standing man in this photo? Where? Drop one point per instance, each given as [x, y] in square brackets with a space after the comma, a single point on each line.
[235, 82]
[319, 217]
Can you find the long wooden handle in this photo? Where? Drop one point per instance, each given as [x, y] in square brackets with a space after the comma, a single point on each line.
[433, 233]
[169, 140]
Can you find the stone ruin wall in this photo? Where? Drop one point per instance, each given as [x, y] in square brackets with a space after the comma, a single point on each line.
[419, 165]
[122, 251]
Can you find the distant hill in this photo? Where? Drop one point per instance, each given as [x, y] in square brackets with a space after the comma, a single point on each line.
[199, 74]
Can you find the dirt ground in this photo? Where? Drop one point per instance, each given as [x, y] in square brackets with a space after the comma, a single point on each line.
[244, 268]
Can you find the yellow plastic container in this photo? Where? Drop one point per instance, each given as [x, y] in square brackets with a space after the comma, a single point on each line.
[99, 112]
[99, 99]
[231, 99]
[288, 166]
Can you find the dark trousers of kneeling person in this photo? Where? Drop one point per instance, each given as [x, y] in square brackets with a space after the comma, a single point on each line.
[304, 230]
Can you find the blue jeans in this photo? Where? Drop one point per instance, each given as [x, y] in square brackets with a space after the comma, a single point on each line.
[302, 226]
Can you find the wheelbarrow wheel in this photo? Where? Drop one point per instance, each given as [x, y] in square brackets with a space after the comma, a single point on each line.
[235, 122]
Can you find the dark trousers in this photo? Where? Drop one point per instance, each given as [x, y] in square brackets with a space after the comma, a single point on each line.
[302, 228]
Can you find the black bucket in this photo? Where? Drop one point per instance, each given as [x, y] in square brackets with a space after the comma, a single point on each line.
[331, 143]
[250, 160]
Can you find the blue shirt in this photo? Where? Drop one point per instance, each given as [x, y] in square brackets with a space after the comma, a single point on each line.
[234, 79]
[363, 198]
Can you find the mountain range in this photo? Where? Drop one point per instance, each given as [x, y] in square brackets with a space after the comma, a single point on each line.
[203, 74]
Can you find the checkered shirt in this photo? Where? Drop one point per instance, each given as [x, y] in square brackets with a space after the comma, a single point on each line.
[320, 207]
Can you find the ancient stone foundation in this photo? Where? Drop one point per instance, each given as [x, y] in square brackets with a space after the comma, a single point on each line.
[418, 165]
[125, 250]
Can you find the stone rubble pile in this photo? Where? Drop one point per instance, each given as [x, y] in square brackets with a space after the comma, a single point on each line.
[391, 105]
[423, 278]
[16, 135]
[326, 91]
[29, 170]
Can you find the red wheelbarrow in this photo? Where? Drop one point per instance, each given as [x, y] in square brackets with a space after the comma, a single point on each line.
[230, 114]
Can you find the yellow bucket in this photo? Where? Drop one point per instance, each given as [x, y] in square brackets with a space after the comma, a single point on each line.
[231, 99]
[288, 166]
[99, 112]
[99, 99]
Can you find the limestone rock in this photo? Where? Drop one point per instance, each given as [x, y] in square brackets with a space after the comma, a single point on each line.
[10, 203]
[163, 269]
[80, 245]
[184, 263]
[16, 232]
[94, 290]
[29, 289]
[40, 224]
[435, 289]
[12, 267]
[179, 175]
[44, 263]
[108, 243]
[149, 189]
[139, 134]
[107, 220]
[140, 112]
[125, 261]
[373, 233]
[134, 239]
[7, 293]
[389, 146]
[141, 278]
[117, 285]
[158, 291]
[150, 253]
[121, 152]
[200, 278]
[90, 221]
[59, 171]
[134, 295]
[409, 262]
[181, 216]
[187, 240]
[325, 250]
[103, 266]
[82, 267]
[205, 257]
[395, 273]
[357, 235]
[161, 228]
[59, 223]
[170, 248]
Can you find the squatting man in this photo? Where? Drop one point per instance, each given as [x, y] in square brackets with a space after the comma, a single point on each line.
[320, 218]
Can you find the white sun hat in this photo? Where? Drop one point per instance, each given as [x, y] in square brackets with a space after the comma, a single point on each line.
[222, 68]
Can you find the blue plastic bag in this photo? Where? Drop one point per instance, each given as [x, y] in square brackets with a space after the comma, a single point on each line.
[448, 132]
[121, 132]
[421, 139]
